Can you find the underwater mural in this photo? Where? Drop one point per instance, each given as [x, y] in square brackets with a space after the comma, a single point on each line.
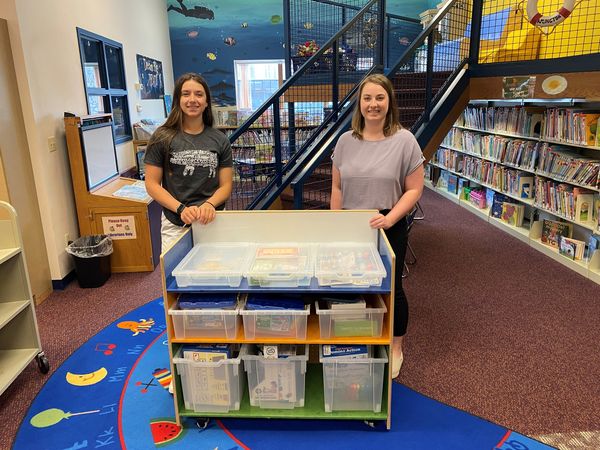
[208, 35]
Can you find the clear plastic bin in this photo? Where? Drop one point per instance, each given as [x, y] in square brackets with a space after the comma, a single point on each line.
[218, 264]
[281, 323]
[211, 386]
[349, 264]
[353, 384]
[281, 265]
[277, 383]
[205, 323]
[352, 321]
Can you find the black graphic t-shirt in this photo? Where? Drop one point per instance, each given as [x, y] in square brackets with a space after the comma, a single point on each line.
[191, 169]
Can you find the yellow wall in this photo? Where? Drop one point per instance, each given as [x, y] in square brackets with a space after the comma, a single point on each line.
[579, 34]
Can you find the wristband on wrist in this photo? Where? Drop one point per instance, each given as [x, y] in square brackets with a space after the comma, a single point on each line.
[180, 209]
[210, 204]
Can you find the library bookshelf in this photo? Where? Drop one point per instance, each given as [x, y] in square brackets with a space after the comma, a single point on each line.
[19, 335]
[502, 145]
[311, 227]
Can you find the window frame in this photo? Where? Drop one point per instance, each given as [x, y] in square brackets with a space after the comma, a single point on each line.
[241, 97]
[108, 92]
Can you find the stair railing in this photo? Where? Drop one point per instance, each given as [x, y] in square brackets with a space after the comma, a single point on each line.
[327, 76]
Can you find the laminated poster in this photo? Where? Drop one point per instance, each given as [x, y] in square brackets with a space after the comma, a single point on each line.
[119, 227]
[518, 87]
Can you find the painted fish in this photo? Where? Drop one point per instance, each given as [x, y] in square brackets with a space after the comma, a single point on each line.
[275, 19]
[244, 24]
[211, 56]
[192, 34]
[230, 40]
[308, 25]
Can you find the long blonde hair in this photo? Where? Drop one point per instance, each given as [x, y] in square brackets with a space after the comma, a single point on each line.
[174, 123]
[392, 121]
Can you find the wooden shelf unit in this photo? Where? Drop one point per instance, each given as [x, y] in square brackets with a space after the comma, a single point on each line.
[19, 335]
[137, 253]
[284, 226]
[531, 234]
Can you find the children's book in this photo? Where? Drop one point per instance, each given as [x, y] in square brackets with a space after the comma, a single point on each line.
[593, 244]
[552, 229]
[526, 187]
[512, 214]
[571, 248]
[584, 204]
[452, 184]
[499, 199]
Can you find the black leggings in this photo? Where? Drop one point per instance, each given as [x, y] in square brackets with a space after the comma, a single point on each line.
[398, 237]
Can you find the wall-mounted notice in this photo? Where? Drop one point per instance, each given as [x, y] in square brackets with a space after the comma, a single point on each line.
[518, 87]
[119, 227]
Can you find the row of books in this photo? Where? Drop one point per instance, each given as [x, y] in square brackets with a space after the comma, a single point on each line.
[265, 136]
[506, 179]
[576, 126]
[569, 201]
[516, 152]
[574, 203]
[552, 160]
[502, 207]
[572, 125]
[232, 117]
[512, 181]
[517, 120]
[568, 165]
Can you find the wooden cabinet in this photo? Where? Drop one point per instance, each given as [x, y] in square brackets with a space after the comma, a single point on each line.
[307, 227]
[19, 336]
[135, 249]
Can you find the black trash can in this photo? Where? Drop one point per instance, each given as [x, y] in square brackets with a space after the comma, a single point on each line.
[92, 259]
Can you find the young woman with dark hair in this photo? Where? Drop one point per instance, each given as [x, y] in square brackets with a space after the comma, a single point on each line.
[188, 162]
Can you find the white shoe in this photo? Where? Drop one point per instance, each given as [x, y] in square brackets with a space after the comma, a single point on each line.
[397, 364]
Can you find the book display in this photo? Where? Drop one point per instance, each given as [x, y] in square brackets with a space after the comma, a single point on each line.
[281, 329]
[532, 171]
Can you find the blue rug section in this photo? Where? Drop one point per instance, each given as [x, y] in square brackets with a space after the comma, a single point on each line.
[79, 405]
[112, 393]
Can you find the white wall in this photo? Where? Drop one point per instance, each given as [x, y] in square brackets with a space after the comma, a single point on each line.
[46, 53]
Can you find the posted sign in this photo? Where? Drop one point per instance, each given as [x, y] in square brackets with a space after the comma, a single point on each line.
[119, 227]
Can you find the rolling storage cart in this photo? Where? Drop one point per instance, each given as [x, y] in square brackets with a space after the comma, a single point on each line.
[314, 389]
[19, 336]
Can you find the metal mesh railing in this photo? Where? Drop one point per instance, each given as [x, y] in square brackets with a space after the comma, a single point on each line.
[425, 69]
[507, 34]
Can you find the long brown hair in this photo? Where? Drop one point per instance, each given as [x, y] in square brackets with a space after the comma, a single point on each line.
[174, 123]
[392, 121]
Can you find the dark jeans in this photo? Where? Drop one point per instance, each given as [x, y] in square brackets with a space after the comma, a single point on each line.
[398, 237]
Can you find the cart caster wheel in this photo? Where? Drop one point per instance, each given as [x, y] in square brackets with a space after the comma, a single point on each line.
[376, 425]
[202, 422]
[42, 362]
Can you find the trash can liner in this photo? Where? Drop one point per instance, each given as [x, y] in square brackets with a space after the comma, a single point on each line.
[91, 246]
